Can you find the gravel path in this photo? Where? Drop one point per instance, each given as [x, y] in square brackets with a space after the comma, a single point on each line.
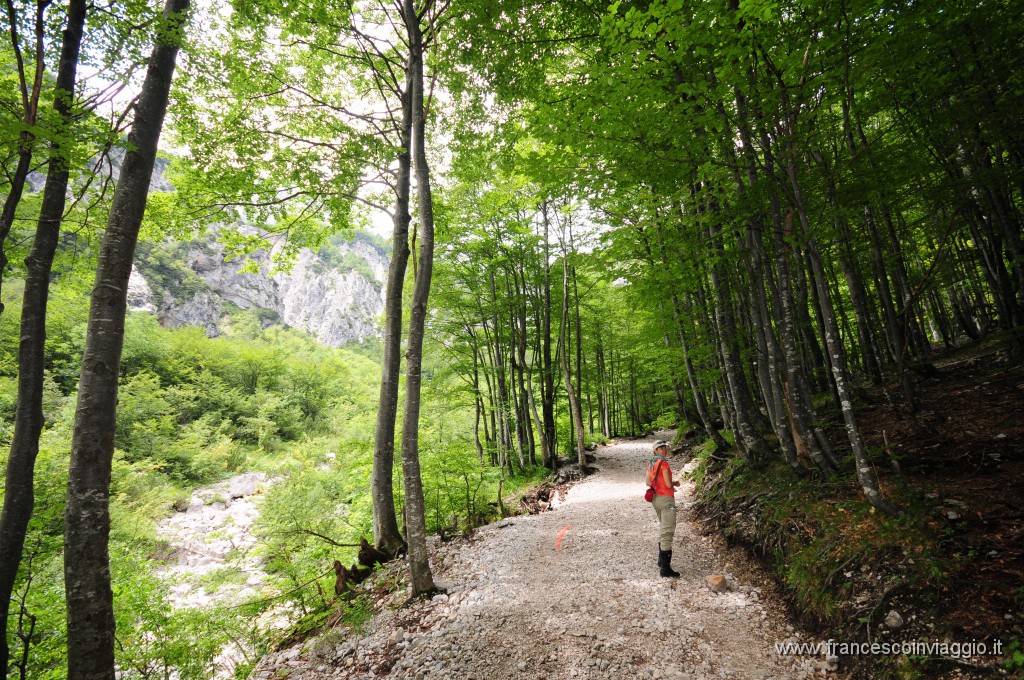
[520, 606]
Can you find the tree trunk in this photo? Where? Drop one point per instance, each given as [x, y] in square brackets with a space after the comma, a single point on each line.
[479, 404]
[19, 488]
[87, 517]
[802, 416]
[415, 513]
[865, 475]
[30, 111]
[747, 438]
[528, 408]
[578, 334]
[699, 402]
[563, 348]
[386, 535]
[897, 337]
[547, 393]
[545, 452]
[603, 406]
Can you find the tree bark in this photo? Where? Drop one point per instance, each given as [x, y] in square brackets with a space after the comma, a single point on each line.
[563, 348]
[547, 393]
[415, 513]
[526, 406]
[699, 402]
[386, 535]
[865, 475]
[802, 416]
[747, 437]
[87, 517]
[19, 487]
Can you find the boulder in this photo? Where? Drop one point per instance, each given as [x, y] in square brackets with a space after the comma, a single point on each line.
[245, 485]
[717, 583]
[893, 620]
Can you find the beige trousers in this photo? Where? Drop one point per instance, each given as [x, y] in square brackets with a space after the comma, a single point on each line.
[665, 507]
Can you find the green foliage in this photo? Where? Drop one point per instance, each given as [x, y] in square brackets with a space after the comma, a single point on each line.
[157, 640]
[303, 517]
[166, 270]
[192, 410]
[1014, 655]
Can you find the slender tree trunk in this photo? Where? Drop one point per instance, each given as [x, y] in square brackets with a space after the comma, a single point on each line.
[19, 485]
[897, 337]
[30, 111]
[478, 402]
[699, 402]
[14, 193]
[579, 332]
[747, 438]
[574, 405]
[525, 393]
[504, 394]
[865, 475]
[547, 394]
[419, 565]
[804, 326]
[602, 388]
[545, 455]
[814, 297]
[546, 458]
[87, 517]
[802, 416]
[386, 534]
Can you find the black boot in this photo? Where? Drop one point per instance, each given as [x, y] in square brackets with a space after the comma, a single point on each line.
[665, 562]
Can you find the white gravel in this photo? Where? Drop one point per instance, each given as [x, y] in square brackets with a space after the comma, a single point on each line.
[517, 607]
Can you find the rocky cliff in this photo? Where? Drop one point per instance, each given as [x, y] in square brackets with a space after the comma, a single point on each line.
[335, 294]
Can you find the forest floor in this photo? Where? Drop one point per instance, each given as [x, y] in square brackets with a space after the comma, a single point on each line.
[948, 568]
[963, 453]
[573, 592]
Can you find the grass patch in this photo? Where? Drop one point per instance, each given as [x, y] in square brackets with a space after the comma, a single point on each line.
[213, 580]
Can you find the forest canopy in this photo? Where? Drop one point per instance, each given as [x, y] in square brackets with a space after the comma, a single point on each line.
[751, 221]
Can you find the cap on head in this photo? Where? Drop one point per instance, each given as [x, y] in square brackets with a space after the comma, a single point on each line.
[659, 444]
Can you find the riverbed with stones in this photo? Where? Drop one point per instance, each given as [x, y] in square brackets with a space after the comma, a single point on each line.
[212, 561]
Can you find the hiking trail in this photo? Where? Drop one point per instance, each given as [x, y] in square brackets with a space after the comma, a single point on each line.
[573, 592]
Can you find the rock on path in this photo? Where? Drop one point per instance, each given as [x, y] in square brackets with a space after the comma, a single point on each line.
[517, 607]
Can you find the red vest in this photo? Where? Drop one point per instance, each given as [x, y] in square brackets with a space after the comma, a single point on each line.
[656, 477]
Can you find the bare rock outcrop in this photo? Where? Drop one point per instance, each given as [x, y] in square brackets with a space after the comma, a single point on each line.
[336, 304]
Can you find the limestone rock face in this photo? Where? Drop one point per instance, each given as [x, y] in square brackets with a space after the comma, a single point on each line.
[203, 310]
[140, 296]
[334, 306]
[334, 303]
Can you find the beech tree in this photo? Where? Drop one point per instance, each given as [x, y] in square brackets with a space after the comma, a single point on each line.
[19, 495]
[30, 85]
[804, 195]
[87, 517]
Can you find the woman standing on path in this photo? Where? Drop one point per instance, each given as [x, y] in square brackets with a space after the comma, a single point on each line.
[659, 478]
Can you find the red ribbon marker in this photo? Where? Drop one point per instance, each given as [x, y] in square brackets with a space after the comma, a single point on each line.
[560, 536]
